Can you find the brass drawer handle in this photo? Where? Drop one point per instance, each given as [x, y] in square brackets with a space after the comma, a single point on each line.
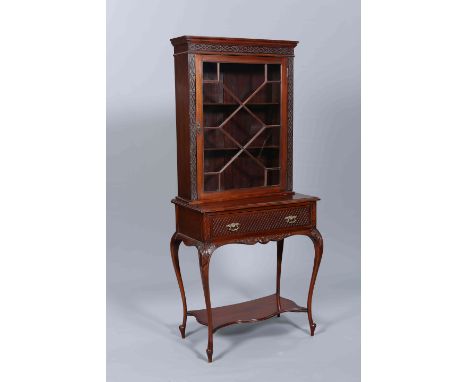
[233, 227]
[291, 219]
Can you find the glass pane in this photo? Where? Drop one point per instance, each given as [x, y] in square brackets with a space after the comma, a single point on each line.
[265, 148]
[212, 93]
[211, 182]
[273, 178]
[241, 79]
[268, 114]
[267, 138]
[266, 156]
[215, 160]
[215, 115]
[210, 71]
[241, 125]
[274, 72]
[216, 139]
[244, 172]
[269, 93]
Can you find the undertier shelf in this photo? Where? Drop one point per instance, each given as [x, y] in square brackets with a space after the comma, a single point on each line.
[237, 104]
[246, 312]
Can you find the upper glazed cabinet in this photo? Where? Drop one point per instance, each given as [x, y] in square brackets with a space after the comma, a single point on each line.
[234, 116]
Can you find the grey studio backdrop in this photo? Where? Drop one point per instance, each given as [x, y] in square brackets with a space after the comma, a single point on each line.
[144, 307]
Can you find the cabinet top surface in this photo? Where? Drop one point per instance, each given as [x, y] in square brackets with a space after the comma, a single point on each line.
[243, 203]
[232, 41]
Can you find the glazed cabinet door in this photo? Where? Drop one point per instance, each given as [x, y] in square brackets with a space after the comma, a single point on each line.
[241, 120]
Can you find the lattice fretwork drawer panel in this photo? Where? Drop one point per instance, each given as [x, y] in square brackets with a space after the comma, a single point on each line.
[260, 221]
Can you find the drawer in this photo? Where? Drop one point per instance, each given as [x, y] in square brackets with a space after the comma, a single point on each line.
[259, 221]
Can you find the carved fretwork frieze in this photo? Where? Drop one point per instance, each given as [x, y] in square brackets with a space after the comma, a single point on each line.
[240, 49]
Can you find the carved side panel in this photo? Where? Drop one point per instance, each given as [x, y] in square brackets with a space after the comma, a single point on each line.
[193, 127]
[289, 184]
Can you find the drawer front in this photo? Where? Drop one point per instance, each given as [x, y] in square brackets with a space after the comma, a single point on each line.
[260, 221]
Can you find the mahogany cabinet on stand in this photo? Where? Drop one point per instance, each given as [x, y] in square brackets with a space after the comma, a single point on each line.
[234, 105]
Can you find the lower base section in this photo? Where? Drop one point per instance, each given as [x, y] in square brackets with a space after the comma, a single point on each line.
[261, 308]
[245, 312]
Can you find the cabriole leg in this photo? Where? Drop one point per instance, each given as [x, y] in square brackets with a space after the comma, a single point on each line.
[175, 243]
[204, 255]
[279, 259]
[316, 237]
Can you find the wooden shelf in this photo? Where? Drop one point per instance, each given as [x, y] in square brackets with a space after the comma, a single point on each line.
[238, 149]
[236, 104]
[217, 127]
[246, 312]
[205, 81]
